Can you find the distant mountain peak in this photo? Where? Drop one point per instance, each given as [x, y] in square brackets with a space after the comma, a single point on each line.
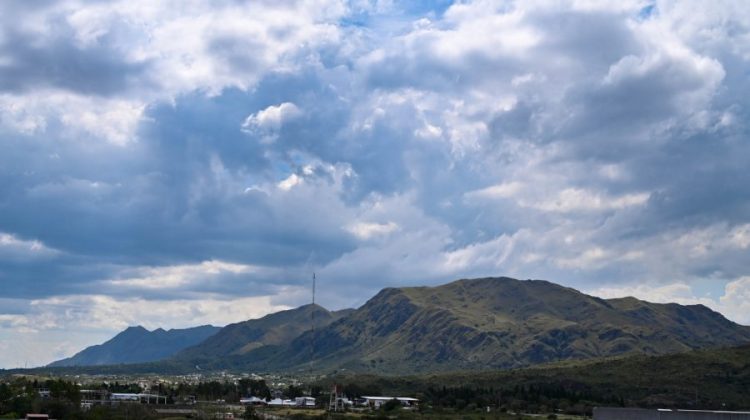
[136, 328]
[136, 344]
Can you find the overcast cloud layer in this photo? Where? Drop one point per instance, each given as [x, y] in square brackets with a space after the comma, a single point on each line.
[180, 163]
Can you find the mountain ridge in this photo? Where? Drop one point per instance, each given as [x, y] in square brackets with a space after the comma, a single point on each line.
[272, 329]
[136, 344]
[497, 323]
[467, 324]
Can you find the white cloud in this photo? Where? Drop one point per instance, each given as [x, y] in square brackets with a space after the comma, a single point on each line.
[735, 303]
[367, 230]
[83, 117]
[12, 247]
[290, 182]
[101, 312]
[267, 122]
[504, 190]
[567, 200]
[576, 199]
[489, 256]
[180, 276]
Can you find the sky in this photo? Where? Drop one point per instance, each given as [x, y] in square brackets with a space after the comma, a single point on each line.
[177, 163]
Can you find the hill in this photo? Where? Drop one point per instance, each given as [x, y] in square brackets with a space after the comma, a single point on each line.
[495, 323]
[137, 345]
[698, 379]
[274, 329]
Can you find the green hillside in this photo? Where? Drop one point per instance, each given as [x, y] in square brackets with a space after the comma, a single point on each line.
[700, 379]
[498, 323]
[273, 329]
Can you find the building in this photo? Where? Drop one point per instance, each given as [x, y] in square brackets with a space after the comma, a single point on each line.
[252, 401]
[376, 402]
[611, 413]
[117, 397]
[304, 402]
[278, 402]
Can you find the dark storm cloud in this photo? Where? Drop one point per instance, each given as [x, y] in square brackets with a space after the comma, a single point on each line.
[97, 70]
[53, 59]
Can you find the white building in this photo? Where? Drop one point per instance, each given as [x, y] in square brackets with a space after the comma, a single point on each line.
[278, 402]
[304, 402]
[376, 402]
[252, 401]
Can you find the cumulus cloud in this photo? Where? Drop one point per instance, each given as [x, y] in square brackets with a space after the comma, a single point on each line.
[365, 230]
[272, 117]
[179, 155]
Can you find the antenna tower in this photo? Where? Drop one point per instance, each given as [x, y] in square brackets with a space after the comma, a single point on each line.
[312, 327]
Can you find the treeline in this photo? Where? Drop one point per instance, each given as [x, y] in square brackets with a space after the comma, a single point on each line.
[533, 398]
[700, 380]
[22, 396]
[541, 398]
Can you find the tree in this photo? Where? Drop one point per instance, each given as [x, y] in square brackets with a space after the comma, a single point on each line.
[249, 413]
[391, 405]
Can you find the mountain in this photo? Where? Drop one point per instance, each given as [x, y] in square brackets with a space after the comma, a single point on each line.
[495, 323]
[137, 344]
[274, 329]
[479, 324]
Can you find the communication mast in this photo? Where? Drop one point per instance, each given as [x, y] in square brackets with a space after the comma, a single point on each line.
[336, 401]
[312, 327]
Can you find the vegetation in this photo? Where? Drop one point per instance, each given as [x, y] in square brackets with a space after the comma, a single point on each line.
[273, 329]
[492, 323]
[706, 379]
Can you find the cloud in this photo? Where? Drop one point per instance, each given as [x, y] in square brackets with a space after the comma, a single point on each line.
[12, 247]
[161, 154]
[268, 122]
[365, 230]
[175, 277]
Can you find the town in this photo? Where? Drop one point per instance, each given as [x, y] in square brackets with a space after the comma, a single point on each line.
[220, 395]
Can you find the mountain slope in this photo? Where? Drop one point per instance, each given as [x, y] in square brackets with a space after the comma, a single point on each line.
[273, 329]
[701, 379]
[498, 323]
[137, 344]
